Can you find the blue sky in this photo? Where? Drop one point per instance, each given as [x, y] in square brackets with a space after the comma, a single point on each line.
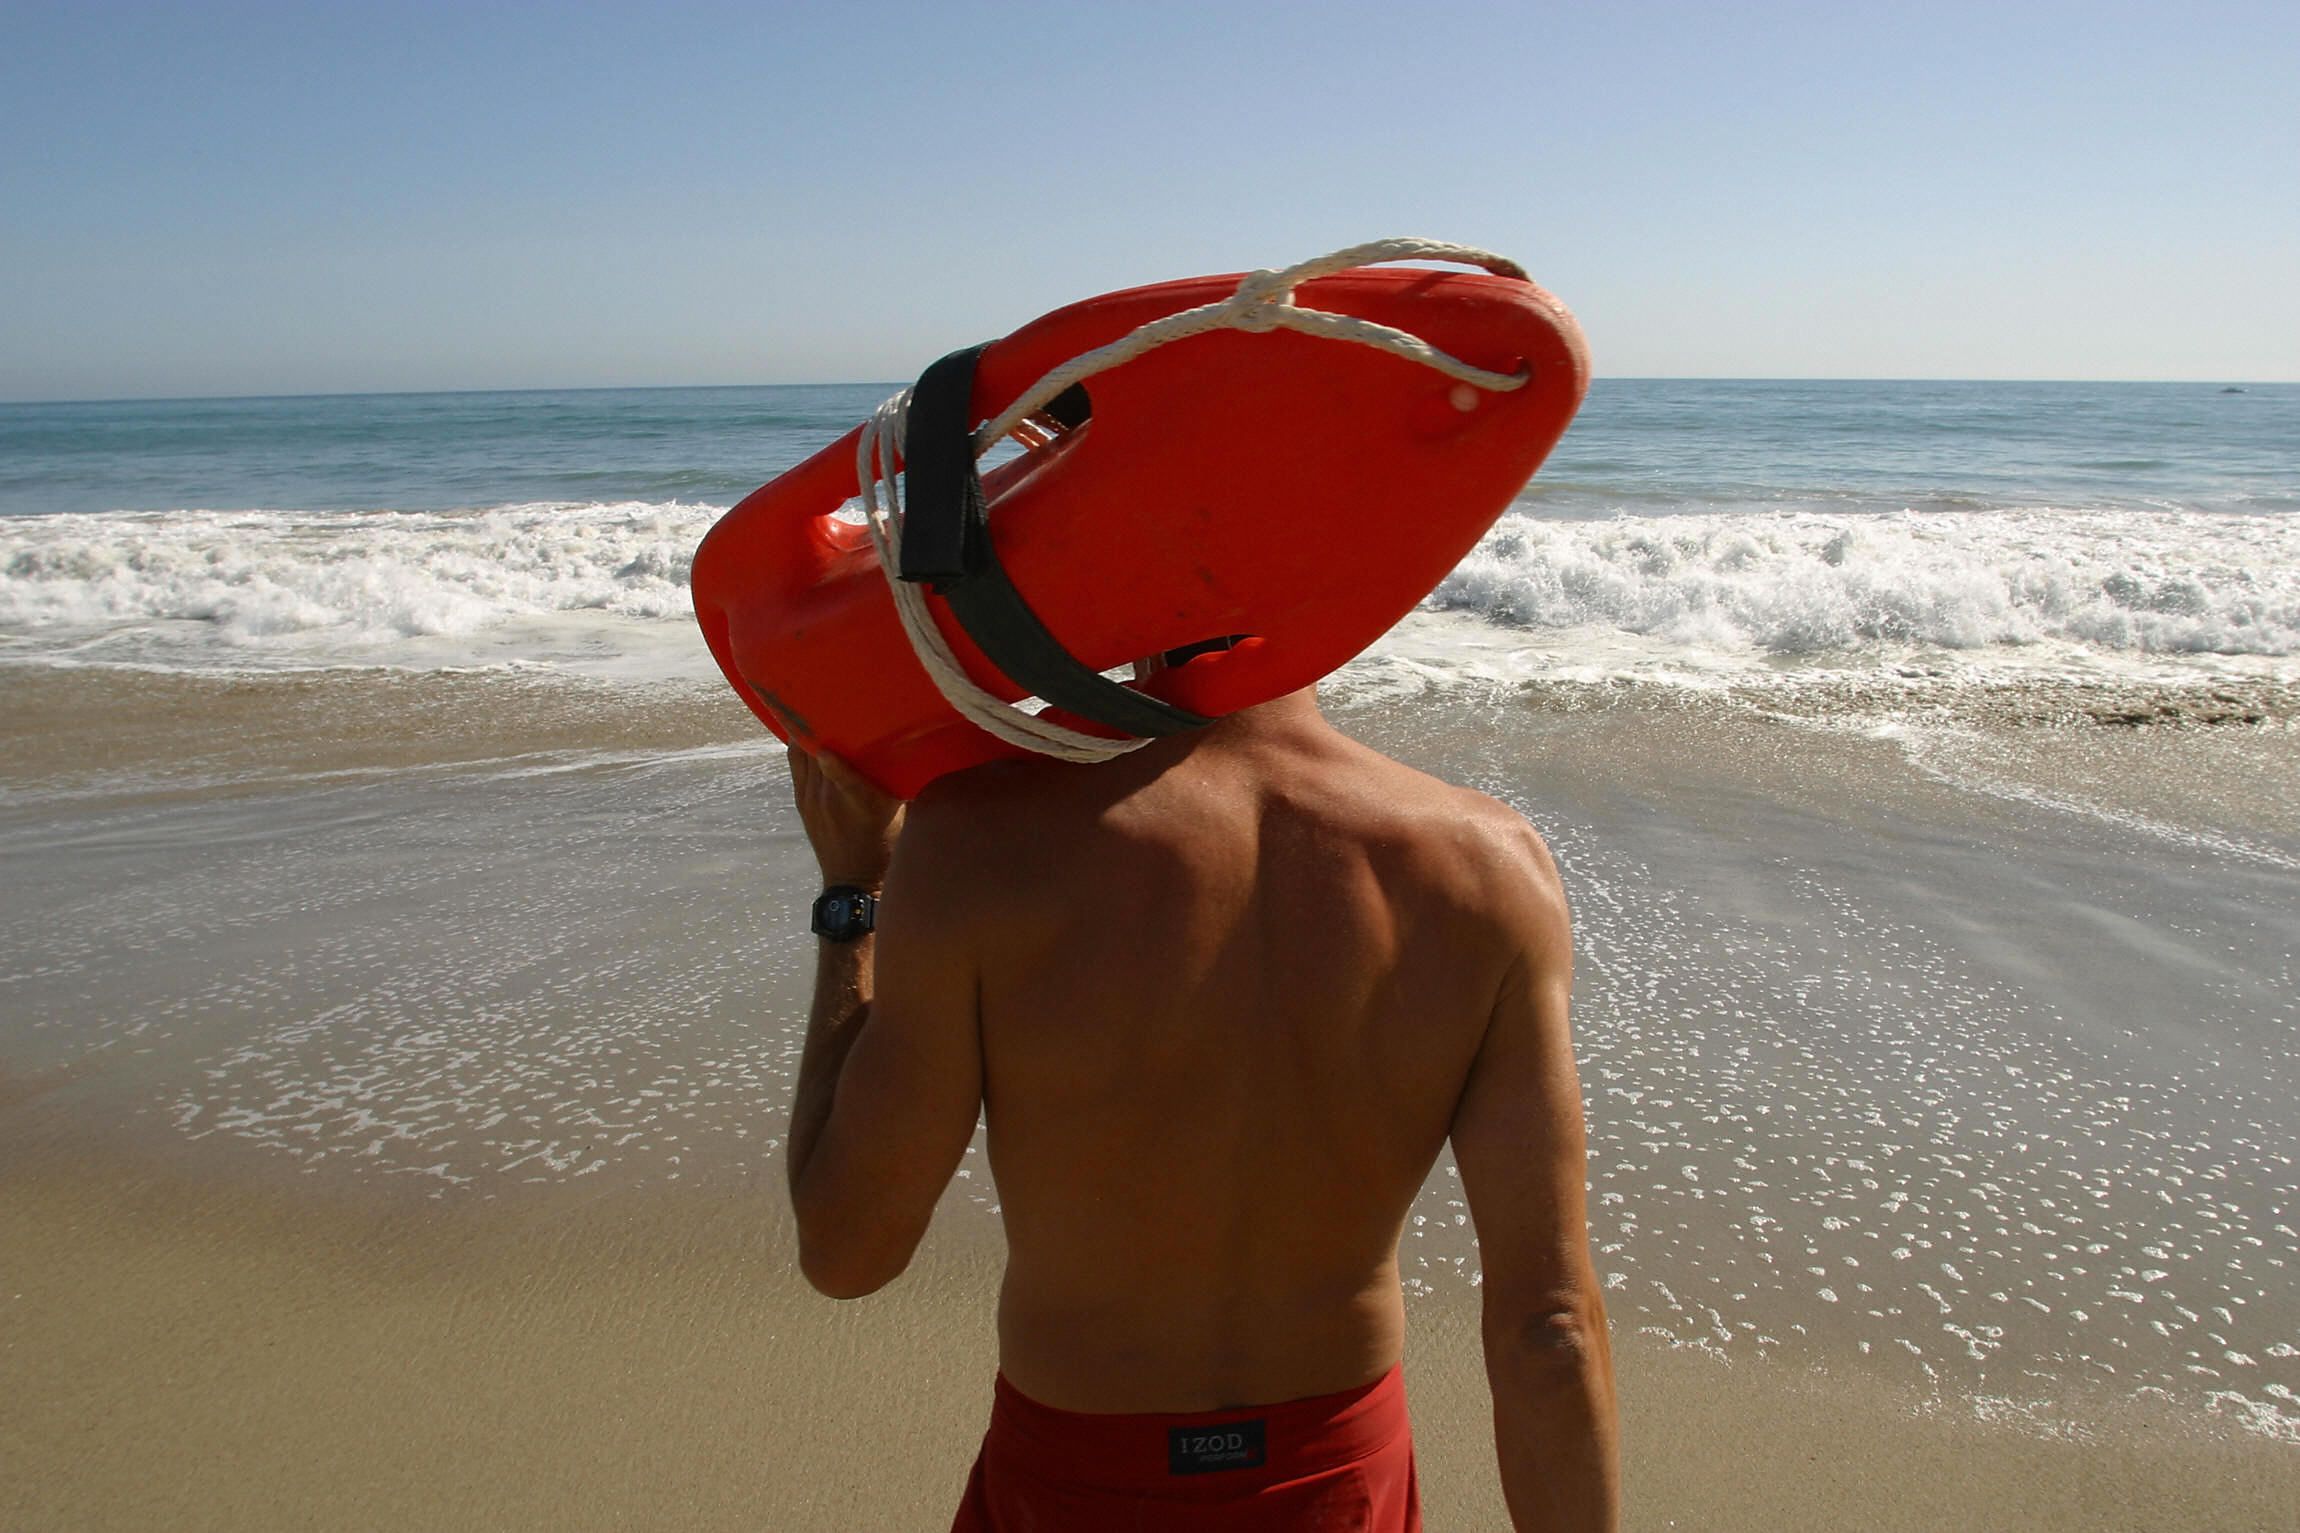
[226, 198]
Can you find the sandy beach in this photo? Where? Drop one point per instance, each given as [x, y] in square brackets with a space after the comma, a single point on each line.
[394, 1067]
[197, 1353]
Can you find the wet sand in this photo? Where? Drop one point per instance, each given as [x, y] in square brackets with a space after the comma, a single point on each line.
[392, 1070]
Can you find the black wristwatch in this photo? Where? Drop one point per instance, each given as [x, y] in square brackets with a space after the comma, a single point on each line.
[843, 913]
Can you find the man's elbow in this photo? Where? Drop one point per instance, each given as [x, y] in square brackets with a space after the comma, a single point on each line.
[1553, 1342]
[840, 1266]
[837, 1278]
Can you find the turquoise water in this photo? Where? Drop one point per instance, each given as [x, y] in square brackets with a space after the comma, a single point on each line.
[1641, 446]
[414, 452]
[1644, 446]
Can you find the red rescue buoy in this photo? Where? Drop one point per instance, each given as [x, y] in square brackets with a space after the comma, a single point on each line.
[1296, 493]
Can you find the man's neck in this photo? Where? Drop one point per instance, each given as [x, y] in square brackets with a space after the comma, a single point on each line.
[1290, 714]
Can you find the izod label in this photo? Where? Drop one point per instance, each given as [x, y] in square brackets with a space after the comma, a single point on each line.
[1209, 1450]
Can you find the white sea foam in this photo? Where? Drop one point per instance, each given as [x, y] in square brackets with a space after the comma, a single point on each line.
[1692, 599]
[259, 588]
[1807, 585]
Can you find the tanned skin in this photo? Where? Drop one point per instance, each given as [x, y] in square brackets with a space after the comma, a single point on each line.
[1222, 1002]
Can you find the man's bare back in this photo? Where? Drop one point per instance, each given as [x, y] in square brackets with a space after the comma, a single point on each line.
[1222, 1003]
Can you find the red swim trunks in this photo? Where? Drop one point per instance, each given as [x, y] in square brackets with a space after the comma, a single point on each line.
[1337, 1462]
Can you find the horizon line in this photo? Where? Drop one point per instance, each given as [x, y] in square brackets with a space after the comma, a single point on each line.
[648, 388]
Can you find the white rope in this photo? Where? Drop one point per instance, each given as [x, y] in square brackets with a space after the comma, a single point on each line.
[1263, 301]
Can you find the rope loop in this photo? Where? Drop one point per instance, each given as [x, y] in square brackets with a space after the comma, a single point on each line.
[1257, 306]
[1262, 302]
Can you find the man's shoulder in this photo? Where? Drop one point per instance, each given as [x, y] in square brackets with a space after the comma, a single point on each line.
[1456, 845]
[1511, 840]
[1501, 853]
[1473, 828]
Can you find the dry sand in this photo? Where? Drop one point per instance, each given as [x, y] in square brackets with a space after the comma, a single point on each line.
[189, 1353]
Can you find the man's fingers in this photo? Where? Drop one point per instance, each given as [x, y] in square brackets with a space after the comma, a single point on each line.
[847, 819]
[837, 770]
[824, 764]
[850, 781]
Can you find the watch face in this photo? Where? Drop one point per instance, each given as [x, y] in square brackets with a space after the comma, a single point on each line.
[841, 914]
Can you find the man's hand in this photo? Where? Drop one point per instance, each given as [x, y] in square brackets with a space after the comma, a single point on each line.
[850, 823]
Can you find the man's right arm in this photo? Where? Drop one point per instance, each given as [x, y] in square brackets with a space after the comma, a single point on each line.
[1518, 1139]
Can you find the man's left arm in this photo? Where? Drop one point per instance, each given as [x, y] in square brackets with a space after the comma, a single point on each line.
[890, 1083]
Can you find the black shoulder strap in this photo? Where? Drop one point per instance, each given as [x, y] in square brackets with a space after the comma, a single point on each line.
[946, 541]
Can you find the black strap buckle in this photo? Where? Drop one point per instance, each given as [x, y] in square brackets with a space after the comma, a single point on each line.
[946, 543]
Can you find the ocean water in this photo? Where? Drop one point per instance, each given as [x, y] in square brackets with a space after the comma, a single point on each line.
[1683, 530]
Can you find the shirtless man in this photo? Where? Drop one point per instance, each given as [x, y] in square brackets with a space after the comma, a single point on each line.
[1222, 1001]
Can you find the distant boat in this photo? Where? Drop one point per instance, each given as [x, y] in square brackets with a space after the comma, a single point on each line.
[2232, 389]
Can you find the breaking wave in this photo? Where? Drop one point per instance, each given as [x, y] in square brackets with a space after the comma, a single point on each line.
[1803, 584]
[560, 582]
[335, 586]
